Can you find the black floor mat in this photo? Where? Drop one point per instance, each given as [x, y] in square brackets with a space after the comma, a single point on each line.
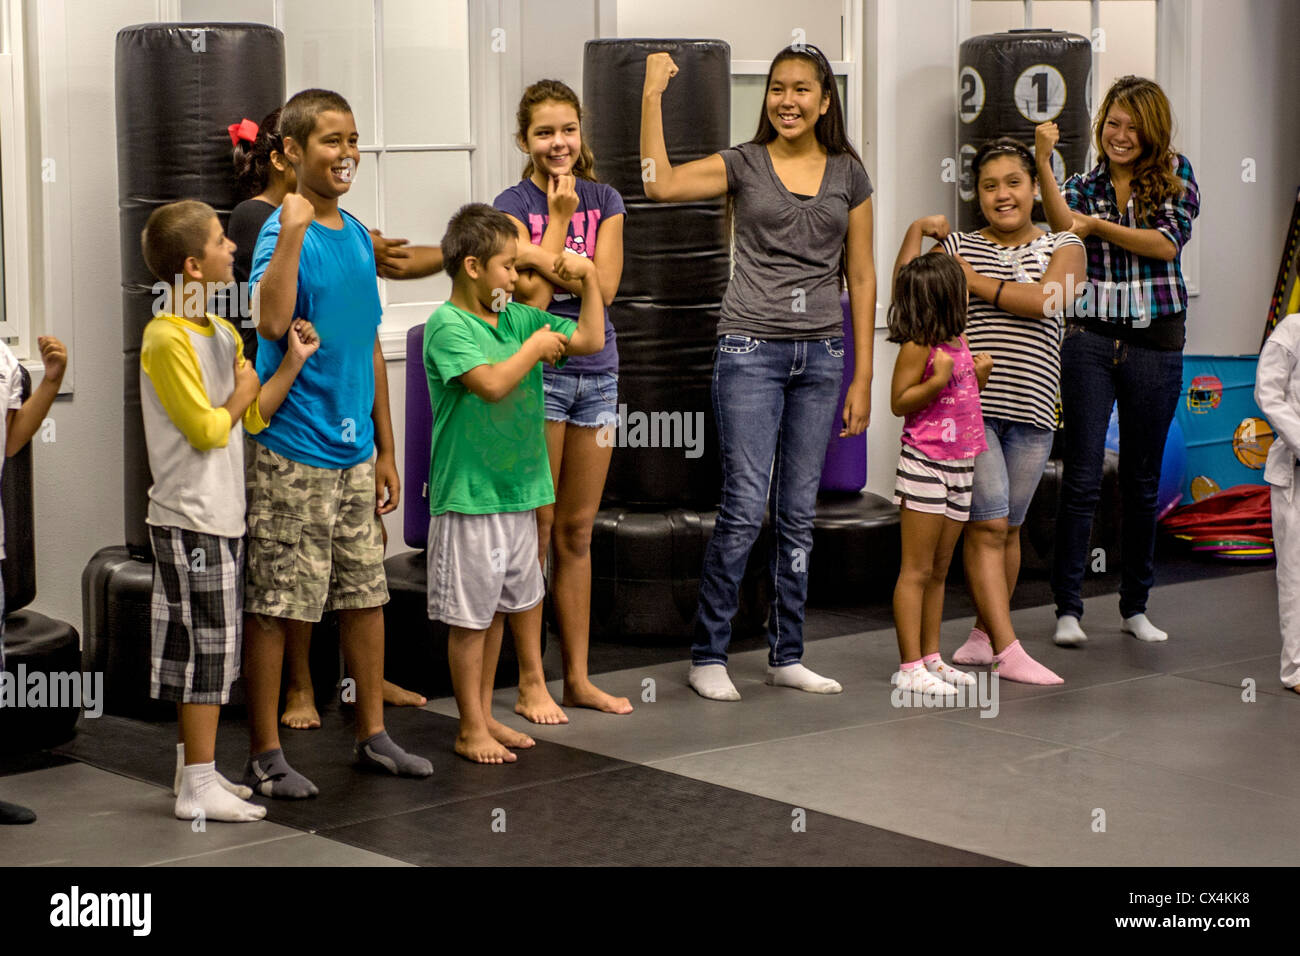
[639, 816]
[560, 805]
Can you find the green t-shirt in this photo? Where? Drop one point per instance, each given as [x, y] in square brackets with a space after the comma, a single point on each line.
[487, 457]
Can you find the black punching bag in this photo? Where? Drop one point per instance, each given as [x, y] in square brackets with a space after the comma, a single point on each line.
[178, 87]
[1009, 83]
[676, 263]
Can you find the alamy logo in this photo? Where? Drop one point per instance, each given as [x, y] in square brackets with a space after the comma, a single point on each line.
[18, 688]
[654, 430]
[982, 694]
[134, 910]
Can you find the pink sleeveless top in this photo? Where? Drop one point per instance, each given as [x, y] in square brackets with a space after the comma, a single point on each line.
[952, 426]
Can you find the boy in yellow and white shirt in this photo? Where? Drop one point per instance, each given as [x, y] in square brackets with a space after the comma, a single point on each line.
[198, 396]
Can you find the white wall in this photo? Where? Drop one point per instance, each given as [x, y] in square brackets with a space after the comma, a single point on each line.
[1249, 80]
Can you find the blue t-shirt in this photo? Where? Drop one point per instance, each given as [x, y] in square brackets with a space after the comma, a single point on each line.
[596, 201]
[325, 419]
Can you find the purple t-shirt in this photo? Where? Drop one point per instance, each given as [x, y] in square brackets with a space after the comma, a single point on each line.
[596, 202]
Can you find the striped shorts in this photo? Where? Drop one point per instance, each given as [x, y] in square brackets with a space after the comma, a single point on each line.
[934, 487]
[196, 615]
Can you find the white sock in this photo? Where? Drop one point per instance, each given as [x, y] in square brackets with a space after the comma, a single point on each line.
[242, 792]
[711, 681]
[1142, 629]
[801, 678]
[202, 797]
[1068, 631]
[946, 672]
[919, 681]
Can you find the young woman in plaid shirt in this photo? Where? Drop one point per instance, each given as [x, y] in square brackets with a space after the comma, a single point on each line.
[1134, 211]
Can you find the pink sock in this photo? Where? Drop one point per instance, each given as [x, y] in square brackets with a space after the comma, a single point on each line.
[1015, 664]
[930, 657]
[978, 649]
[908, 665]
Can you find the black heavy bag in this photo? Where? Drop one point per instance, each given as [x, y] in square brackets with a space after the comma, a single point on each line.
[1008, 83]
[19, 565]
[676, 265]
[179, 86]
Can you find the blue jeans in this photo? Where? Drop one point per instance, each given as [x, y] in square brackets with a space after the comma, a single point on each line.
[1007, 475]
[775, 402]
[1095, 372]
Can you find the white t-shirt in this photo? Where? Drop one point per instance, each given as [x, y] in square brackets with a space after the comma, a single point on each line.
[11, 394]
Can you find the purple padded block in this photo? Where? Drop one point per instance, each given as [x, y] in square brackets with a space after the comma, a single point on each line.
[845, 467]
[419, 437]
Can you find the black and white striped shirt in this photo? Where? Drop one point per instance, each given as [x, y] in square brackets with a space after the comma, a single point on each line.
[1026, 352]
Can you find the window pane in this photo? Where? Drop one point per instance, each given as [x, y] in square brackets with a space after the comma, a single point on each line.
[426, 72]
[1130, 38]
[421, 191]
[1069, 16]
[755, 29]
[331, 44]
[996, 16]
[228, 11]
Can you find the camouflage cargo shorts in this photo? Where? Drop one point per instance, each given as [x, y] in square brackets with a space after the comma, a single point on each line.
[314, 540]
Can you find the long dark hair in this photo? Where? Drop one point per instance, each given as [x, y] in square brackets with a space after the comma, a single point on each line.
[1154, 181]
[929, 304]
[830, 129]
[253, 160]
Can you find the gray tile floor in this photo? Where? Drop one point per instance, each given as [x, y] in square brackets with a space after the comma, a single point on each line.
[1158, 738]
[1147, 755]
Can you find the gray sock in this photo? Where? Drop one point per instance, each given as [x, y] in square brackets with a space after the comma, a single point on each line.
[270, 775]
[380, 751]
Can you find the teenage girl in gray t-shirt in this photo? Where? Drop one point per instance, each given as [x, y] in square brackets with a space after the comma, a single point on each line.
[802, 214]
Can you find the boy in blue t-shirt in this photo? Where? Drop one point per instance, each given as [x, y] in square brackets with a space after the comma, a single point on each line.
[314, 493]
[489, 470]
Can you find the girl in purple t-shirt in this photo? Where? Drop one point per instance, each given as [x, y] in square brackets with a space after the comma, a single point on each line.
[936, 388]
[560, 207]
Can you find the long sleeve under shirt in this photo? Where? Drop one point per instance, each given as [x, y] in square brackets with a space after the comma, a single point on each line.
[187, 373]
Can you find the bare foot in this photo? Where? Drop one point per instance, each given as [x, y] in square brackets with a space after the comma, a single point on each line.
[401, 697]
[483, 749]
[508, 736]
[1296, 688]
[300, 710]
[588, 694]
[537, 704]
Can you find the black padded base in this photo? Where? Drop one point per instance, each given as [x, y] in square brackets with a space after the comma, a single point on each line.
[415, 648]
[1038, 533]
[645, 575]
[115, 596]
[856, 549]
[37, 648]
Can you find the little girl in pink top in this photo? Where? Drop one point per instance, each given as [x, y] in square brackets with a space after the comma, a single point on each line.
[936, 388]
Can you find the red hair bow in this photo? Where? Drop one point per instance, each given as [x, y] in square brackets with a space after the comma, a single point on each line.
[244, 129]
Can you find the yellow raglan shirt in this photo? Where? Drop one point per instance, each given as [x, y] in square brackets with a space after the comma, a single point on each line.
[187, 372]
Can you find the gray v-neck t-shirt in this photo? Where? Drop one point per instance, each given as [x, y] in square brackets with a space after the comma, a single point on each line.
[786, 283]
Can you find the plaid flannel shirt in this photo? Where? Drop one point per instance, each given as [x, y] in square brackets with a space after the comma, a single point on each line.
[1158, 283]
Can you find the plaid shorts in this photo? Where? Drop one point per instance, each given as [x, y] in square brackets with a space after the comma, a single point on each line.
[314, 539]
[196, 615]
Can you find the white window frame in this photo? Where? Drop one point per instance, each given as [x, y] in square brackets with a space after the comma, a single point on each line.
[1178, 70]
[16, 324]
[489, 82]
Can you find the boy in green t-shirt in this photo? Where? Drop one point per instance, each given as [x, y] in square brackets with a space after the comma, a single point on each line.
[489, 469]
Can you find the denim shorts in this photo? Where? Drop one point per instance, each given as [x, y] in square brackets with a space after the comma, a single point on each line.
[1007, 475]
[586, 400]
